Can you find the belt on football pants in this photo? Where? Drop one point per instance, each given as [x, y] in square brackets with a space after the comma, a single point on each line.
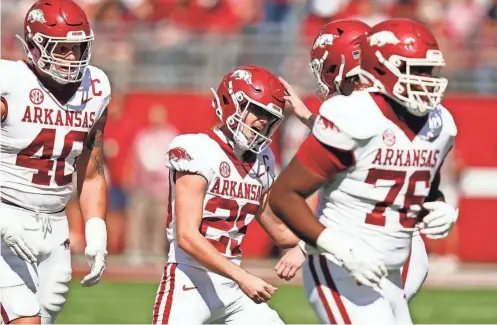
[19, 206]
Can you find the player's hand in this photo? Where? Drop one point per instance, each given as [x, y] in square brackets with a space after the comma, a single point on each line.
[367, 268]
[18, 239]
[96, 250]
[290, 263]
[439, 221]
[365, 265]
[296, 105]
[255, 288]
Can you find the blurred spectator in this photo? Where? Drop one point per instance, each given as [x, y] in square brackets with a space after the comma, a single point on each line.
[293, 133]
[114, 153]
[486, 63]
[368, 11]
[462, 18]
[321, 12]
[276, 10]
[149, 188]
[204, 16]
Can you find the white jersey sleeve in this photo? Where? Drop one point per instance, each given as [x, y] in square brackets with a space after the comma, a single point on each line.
[343, 122]
[102, 84]
[187, 153]
[329, 134]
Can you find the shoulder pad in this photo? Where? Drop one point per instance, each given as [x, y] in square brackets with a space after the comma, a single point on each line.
[191, 153]
[356, 115]
[449, 124]
[102, 84]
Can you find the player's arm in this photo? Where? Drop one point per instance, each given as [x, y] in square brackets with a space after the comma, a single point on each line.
[284, 238]
[189, 202]
[297, 106]
[280, 234]
[312, 166]
[92, 186]
[92, 192]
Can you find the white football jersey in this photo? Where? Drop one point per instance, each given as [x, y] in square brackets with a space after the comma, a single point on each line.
[377, 200]
[234, 190]
[41, 138]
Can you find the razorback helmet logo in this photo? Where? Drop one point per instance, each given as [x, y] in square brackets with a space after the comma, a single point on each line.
[242, 75]
[323, 40]
[382, 38]
[177, 154]
[36, 15]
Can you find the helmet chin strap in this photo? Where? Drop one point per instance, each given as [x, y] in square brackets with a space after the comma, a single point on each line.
[339, 77]
[26, 48]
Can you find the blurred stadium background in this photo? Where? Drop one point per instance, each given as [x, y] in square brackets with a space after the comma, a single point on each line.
[162, 57]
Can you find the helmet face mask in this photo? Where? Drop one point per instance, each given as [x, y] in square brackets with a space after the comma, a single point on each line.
[55, 65]
[401, 57]
[53, 25]
[249, 102]
[245, 135]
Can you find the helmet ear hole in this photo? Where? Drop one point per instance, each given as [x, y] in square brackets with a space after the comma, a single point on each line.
[225, 100]
[31, 46]
[379, 71]
[332, 68]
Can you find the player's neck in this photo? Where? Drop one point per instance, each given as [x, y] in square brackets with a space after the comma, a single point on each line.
[415, 123]
[242, 155]
[63, 92]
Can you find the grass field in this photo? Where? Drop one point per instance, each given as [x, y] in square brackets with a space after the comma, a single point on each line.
[119, 302]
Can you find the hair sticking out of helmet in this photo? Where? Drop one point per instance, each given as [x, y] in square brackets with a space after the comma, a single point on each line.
[57, 39]
[336, 56]
[249, 102]
[402, 58]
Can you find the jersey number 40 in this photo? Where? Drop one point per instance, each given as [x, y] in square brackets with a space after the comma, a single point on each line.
[45, 141]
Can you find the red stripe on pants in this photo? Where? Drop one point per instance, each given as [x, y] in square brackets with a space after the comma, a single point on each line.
[320, 291]
[160, 296]
[334, 291]
[5, 317]
[169, 301]
[158, 301]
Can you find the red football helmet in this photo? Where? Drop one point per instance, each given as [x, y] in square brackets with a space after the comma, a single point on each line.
[47, 26]
[402, 57]
[246, 86]
[336, 54]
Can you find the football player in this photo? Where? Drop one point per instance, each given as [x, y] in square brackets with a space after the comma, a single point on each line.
[220, 182]
[53, 113]
[338, 74]
[377, 153]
